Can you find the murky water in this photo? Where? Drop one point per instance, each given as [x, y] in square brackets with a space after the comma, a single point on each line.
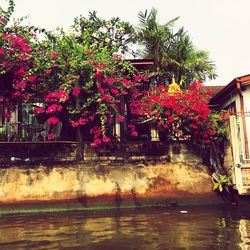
[178, 228]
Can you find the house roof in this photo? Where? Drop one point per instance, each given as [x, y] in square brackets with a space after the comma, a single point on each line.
[141, 64]
[238, 83]
[142, 61]
[215, 89]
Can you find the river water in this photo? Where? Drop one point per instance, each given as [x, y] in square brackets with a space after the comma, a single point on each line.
[168, 228]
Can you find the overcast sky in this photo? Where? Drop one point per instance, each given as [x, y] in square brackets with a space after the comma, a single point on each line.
[221, 27]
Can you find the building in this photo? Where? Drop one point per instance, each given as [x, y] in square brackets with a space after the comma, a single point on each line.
[235, 97]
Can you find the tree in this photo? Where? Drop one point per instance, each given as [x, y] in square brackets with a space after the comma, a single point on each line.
[80, 81]
[174, 52]
[87, 83]
[115, 35]
[188, 63]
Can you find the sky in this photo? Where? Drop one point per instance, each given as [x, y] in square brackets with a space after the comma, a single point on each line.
[222, 27]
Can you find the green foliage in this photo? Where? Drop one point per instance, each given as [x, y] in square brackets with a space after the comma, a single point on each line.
[6, 14]
[114, 35]
[218, 123]
[173, 51]
[221, 182]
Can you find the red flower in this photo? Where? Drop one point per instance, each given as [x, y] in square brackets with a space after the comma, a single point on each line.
[1, 52]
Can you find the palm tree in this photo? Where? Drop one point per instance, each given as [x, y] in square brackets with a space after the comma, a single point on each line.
[186, 62]
[173, 52]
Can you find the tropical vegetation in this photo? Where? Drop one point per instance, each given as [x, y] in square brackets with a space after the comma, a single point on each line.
[82, 78]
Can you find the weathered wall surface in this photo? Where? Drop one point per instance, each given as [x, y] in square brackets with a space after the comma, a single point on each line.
[108, 184]
[178, 177]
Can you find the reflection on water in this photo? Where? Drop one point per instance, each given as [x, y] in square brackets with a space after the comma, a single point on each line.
[137, 229]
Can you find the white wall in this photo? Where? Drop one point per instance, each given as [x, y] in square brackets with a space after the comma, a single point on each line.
[246, 96]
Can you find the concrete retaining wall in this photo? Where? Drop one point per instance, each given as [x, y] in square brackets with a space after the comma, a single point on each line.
[114, 185]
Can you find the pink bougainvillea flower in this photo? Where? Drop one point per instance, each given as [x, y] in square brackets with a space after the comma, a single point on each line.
[1, 52]
[115, 91]
[61, 96]
[7, 115]
[76, 91]
[98, 74]
[109, 80]
[38, 110]
[96, 142]
[21, 85]
[53, 120]
[54, 108]
[74, 124]
[120, 118]
[137, 79]
[91, 118]
[16, 94]
[5, 35]
[170, 119]
[31, 78]
[105, 139]
[81, 121]
[124, 92]
[54, 55]
[51, 137]
[134, 133]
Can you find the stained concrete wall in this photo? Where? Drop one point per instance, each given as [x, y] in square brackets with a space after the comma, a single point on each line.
[179, 178]
[113, 185]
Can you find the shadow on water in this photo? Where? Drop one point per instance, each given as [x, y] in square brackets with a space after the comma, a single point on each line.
[168, 228]
[134, 197]
[118, 197]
